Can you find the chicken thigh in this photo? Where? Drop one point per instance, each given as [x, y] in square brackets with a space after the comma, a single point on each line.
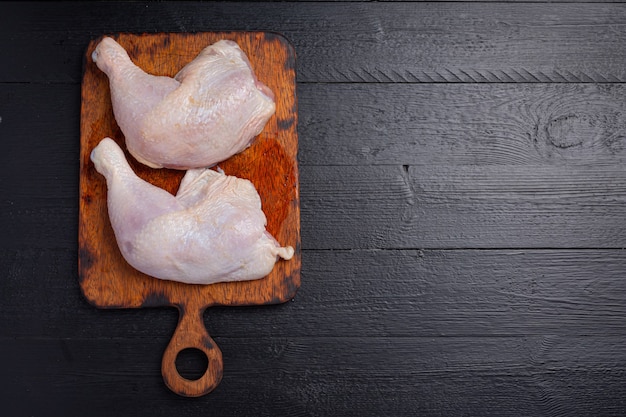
[212, 109]
[213, 230]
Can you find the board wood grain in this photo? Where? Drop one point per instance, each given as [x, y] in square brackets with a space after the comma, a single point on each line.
[106, 280]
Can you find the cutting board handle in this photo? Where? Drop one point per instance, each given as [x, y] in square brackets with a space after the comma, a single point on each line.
[191, 333]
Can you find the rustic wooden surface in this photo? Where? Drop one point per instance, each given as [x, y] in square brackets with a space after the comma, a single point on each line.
[106, 279]
[462, 188]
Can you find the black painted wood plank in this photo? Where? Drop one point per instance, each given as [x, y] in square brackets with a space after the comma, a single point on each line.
[462, 207]
[356, 293]
[467, 124]
[539, 376]
[347, 42]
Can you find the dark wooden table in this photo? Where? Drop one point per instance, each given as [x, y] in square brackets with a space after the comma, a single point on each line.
[463, 195]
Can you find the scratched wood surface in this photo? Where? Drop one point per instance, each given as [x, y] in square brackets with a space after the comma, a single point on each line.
[461, 171]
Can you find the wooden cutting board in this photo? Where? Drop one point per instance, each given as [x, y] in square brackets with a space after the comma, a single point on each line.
[106, 280]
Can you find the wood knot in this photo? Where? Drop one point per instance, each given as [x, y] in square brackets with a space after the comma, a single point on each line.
[574, 136]
[566, 131]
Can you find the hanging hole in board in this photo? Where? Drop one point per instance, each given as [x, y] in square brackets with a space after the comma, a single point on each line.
[191, 363]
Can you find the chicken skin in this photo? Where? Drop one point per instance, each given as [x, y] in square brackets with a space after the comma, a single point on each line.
[213, 230]
[212, 109]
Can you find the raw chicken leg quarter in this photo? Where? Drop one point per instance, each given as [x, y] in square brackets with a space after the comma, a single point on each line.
[213, 230]
[211, 110]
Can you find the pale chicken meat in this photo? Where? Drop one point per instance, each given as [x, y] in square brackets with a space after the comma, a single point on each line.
[212, 109]
[212, 230]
